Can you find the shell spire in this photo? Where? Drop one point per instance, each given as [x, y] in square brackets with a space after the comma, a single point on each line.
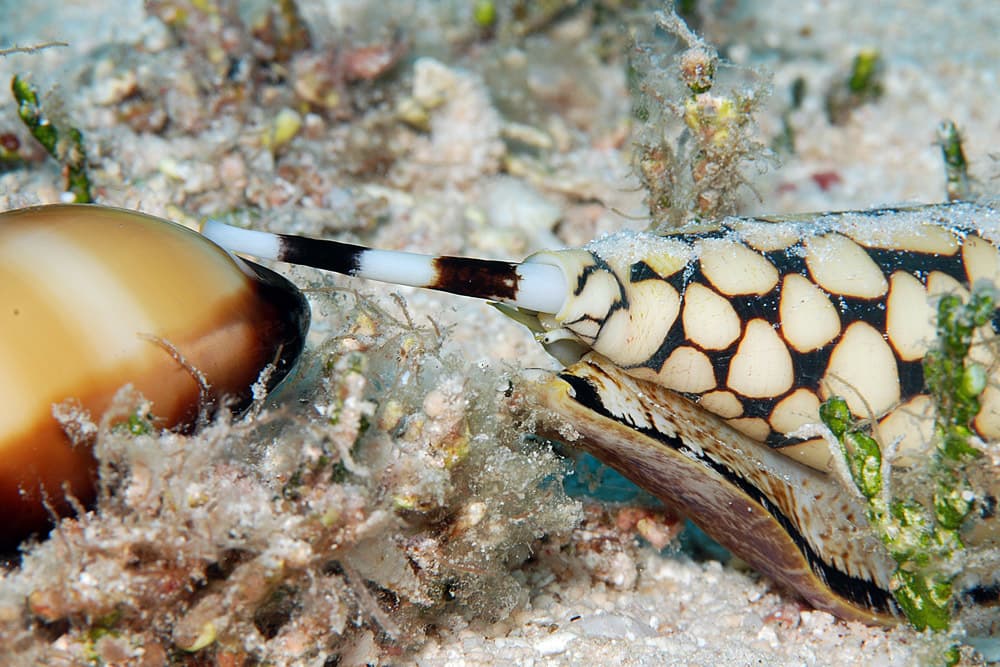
[534, 285]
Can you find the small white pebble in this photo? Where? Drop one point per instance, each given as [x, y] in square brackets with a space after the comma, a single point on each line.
[555, 643]
[767, 634]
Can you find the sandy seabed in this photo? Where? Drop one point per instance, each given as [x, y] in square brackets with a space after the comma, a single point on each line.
[478, 148]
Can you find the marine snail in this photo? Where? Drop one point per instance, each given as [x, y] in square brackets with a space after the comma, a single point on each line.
[697, 362]
[93, 298]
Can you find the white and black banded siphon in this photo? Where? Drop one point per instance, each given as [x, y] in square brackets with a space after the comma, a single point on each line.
[697, 361]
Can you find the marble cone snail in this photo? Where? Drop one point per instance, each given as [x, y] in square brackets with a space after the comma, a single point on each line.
[696, 361]
[94, 298]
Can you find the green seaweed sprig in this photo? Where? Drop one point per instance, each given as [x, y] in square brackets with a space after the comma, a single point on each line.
[63, 144]
[958, 185]
[863, 85]
[925, 540]
[864, 80]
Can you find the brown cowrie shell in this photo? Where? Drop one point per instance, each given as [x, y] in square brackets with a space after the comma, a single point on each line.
[92, 299]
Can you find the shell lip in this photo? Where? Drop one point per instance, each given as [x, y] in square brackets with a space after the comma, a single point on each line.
[672, 459]
[287, 327]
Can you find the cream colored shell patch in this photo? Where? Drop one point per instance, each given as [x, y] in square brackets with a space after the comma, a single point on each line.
[982, 261]
[808, 319]
[653, 307]
[723, 403]
[733, 268]
[799, 408]
[762, 366]
[909, 317]
[841, 266]
[863, 370]
[709, 319]
[687, 370]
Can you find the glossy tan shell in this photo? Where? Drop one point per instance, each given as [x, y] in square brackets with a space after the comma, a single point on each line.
[85, 294]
